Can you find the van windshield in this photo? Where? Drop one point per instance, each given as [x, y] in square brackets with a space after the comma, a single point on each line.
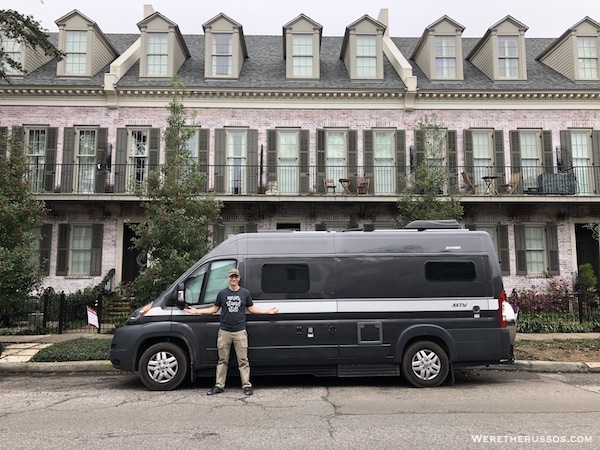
[204, 284]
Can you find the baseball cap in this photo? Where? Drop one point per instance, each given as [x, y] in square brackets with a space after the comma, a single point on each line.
[233, 272]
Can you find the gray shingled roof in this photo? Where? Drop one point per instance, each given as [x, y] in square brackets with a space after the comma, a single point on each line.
[265, 69]
[539, 76]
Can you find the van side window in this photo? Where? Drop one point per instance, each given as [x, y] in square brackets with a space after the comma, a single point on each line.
[204, 284]
[450, 271]
[285, 278]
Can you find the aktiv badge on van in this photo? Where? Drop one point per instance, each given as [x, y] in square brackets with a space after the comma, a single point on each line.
[416, 302]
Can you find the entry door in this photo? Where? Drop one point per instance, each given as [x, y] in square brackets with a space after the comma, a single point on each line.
[134, 261]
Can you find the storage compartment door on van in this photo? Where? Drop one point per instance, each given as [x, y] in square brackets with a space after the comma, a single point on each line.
[304, 332]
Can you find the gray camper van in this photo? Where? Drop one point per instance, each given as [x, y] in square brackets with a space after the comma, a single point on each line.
[415, 302]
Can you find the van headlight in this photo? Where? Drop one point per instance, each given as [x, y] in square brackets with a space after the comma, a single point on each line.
[137, 315]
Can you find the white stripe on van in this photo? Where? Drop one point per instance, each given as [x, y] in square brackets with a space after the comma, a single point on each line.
[353, 305]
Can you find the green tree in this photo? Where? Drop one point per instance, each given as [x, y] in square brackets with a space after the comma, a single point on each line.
[177, 210]
[421, 200]
[20, 215]
[28, 32]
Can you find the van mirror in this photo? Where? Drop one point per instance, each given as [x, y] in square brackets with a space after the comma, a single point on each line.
[179, 296]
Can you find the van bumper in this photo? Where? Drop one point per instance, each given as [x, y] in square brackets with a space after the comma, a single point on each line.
[124, 345]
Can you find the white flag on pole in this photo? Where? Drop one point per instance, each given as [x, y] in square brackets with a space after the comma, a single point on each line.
[92, 316]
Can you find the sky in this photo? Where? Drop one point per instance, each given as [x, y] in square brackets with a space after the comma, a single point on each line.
[545, 18]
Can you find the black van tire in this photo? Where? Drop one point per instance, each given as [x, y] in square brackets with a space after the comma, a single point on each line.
[425, 364]
[163, 366]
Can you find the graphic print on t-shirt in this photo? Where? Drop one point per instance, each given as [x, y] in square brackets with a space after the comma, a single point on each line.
[233, 303]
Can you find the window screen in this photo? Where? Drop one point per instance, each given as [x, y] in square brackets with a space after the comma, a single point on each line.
[450, 271]
[285, 278]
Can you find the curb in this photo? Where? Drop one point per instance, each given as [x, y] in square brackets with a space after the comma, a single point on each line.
[44, 367]
[106, 366]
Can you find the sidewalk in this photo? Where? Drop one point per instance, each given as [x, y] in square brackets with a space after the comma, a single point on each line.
[20, 349]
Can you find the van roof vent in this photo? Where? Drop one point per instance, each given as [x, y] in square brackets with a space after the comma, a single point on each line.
[432, 225]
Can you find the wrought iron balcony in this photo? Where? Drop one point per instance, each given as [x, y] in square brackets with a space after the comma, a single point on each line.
[380, 181]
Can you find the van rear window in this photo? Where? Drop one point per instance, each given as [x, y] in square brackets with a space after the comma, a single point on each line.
[285, 278]
[450, 271]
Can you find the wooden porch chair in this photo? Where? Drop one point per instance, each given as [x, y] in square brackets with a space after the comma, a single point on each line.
[329, 184]
[511, 187]
[468, 185]
[362, 185]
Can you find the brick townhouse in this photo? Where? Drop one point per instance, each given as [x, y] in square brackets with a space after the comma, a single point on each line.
[309, 131]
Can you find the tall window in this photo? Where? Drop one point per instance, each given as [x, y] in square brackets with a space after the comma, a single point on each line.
[138, 157]
[36, 153]
[222, 54]
[288, 161]
[157, 54]
[587, 57]
[81, 250]
[75, 49]
[384, 170]
[336, 155]
[445, 56]
[530, 157]
[366, 56]
[435, 147]
[582, 160]
[482, 154]
[12, 50]
[534, 249]
[508, 57]
[236, 161]
[302, 55]
[86, 161]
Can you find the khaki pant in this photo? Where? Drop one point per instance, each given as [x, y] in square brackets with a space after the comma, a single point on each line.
[239, 339]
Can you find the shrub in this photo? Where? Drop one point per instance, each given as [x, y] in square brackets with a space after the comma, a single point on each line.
[82, 349]
[556, 298]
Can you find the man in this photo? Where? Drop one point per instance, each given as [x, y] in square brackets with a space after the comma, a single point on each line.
[233, 301]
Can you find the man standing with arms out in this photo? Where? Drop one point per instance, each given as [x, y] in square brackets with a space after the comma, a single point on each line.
[233, 301]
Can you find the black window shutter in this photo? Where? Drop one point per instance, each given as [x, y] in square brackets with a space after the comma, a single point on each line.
[547, 151]
[565, 163]
[498, 139]
[66, 177]
[97, 238]
[271, 155]
[18, 133]
[596, 155]
[218, 234]
[352, 154]
[400, 161]
[220, 157]
[50, 168]
[121, 160]
[102, 162]
[45, 244]
[521, 254]
[153, 157]
[203, 137]
[552, 248]
[251, 228]
[468, 144]
[452, 159]
[304, 169]
[3, 141]
[503, 249]
[368, 148]
[515, 151]
[62, 254]
[320, 160]
[252, 172]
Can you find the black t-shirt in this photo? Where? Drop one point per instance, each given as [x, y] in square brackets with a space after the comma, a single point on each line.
[233, 306]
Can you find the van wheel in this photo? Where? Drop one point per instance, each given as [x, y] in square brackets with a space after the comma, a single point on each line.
[425, 364]
[163, 367]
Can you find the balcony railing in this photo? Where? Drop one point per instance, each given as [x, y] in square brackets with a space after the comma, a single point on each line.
[243, 180]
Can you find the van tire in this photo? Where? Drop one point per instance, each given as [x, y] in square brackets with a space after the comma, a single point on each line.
[163, 367]
[425, 364]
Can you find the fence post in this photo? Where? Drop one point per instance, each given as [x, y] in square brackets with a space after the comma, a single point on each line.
[46, 306]
[580, 306]
[62, 312]
[99, 311]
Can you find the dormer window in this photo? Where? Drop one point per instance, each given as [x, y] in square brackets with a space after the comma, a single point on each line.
[508, 57]
[302, 55]
[445, 56]
[366, 56]
[157, 56]
[12, 50]
[362, 49]
[587, 57]
[76, 51]
[222, 54]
